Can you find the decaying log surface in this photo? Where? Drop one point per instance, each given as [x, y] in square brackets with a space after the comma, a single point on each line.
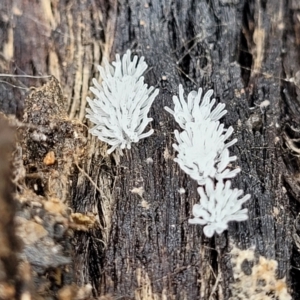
[8, 240]
[141, 246]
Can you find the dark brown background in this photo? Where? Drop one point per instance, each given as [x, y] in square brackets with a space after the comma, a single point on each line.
[248, 52]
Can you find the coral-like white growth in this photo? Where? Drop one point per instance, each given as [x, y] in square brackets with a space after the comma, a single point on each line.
[219, 205]
[203, 154]
[194, 111]
[202, 151]
[122, 102]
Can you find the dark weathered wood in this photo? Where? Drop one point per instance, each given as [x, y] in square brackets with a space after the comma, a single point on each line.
[8, 240]
[208, 45]
[248, 52]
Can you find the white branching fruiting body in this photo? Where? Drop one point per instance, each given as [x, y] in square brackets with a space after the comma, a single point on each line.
[196, 109]
[202, 151]
[203, 154]
[122, 102]
[219, 205]
[202, 148]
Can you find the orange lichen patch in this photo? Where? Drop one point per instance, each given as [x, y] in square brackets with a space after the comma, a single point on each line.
[29, 231]
[265, 267]
[82, 222]
[260, 282]
[71, 292]
[55, 206]
[7, 291]
[67, 292]
[49, 159]
[281, 288]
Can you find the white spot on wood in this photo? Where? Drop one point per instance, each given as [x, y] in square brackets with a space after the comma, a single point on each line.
[149, 160]
[145, 204]
[167, 154]
[138, 190]
[181, 191]
[276, 140]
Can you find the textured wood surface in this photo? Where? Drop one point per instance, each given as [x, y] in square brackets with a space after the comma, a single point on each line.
[248, 52]
[8, 240]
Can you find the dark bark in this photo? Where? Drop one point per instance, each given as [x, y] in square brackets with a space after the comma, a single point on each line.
[8, 240]
[248, 52]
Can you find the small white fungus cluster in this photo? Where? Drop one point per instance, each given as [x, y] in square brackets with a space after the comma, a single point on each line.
[195, 109]
[119, 111]
[219, 205]
[203, 154]
[122, 102]
[202, 151]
